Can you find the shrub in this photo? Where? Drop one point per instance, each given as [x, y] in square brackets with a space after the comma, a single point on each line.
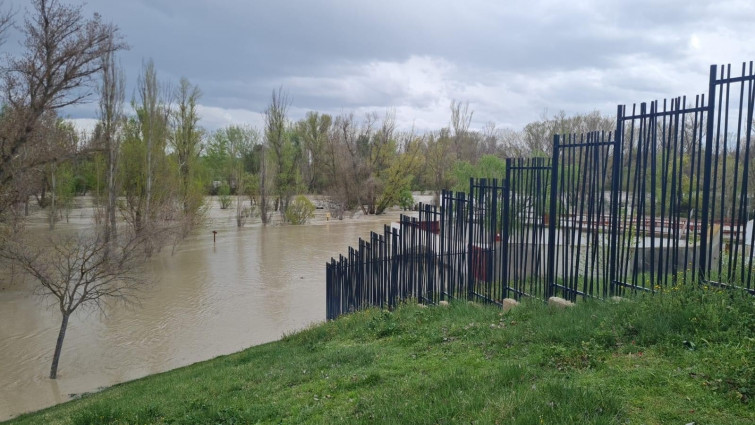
[224, 196]
[405, 199]
[300, 210]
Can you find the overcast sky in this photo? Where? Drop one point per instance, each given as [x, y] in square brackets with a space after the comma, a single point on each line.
[512, 61]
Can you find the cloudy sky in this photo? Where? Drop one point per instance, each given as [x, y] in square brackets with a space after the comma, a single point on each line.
[512, 61]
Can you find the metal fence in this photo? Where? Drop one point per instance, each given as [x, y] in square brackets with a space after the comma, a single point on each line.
[666, 197]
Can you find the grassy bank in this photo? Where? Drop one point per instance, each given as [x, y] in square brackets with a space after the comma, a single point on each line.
[686, 356]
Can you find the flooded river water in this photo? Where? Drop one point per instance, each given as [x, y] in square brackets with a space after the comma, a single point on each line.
[250, 287]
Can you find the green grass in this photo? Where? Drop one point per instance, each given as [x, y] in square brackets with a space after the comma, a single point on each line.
[677, 357]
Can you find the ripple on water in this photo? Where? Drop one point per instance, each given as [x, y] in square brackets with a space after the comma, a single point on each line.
[205, 300]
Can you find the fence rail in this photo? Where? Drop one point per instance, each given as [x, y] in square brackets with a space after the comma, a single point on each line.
[666, 196]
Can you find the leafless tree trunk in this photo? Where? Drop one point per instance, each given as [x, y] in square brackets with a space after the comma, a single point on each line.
[112, 93]
[154, 112]
[59, 346]
[82, 271]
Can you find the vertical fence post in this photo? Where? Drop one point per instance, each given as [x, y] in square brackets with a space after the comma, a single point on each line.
[470, 239]
[618, 151]
[703, 249]
[505, 231]
[441, 254]
[551, 279]
[328, 292]
[492, 250]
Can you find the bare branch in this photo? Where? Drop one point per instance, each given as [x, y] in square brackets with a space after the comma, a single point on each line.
[63, 52]
[78, 271]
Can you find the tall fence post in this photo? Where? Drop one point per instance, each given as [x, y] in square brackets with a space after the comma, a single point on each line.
[618, 151]
[551, 278]
[470, 239]
[442, 244]
[703, 251]
[489, 257]
[505, 230]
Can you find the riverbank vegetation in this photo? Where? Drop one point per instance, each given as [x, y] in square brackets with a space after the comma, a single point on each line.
[684, 356]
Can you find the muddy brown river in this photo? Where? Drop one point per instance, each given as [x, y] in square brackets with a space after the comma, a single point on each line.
[252, 286]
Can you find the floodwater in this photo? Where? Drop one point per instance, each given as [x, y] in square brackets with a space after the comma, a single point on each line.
[205, 299]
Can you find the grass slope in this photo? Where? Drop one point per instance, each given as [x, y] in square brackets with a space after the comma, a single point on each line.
[680, 357]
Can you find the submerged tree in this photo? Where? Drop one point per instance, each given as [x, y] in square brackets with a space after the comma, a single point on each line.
[231, 158]
[186, 142]
[284, 154]
[313, 132]
[81, 271]
[112, 94]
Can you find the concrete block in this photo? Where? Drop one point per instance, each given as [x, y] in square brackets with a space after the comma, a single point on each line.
[509, 303]
[559, 302]
[443, 303]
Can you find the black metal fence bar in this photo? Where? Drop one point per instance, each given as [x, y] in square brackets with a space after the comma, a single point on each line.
[666, 197]
[527, 183]
[729, 207]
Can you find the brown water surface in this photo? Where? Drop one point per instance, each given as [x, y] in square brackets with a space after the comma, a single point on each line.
[250, 287]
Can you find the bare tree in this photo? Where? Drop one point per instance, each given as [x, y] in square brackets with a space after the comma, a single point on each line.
[80, 271]
[112, 94]
[464, 142]
[345, 164]
[63, 51]
[153, 112]
[6, 21]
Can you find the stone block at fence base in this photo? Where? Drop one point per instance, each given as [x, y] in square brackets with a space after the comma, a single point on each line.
[443, 303]
[509, 303]
[559, 302]
[618, 299]
[420, 305]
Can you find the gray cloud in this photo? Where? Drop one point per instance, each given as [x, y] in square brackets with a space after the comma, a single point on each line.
[511, 60]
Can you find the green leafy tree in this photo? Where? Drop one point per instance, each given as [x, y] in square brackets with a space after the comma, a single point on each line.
[488, 167]
[439, 161]
[186, 143]
[224, 196]
[239, 144]
[313, 133]
[283, 149]
[396, 181]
